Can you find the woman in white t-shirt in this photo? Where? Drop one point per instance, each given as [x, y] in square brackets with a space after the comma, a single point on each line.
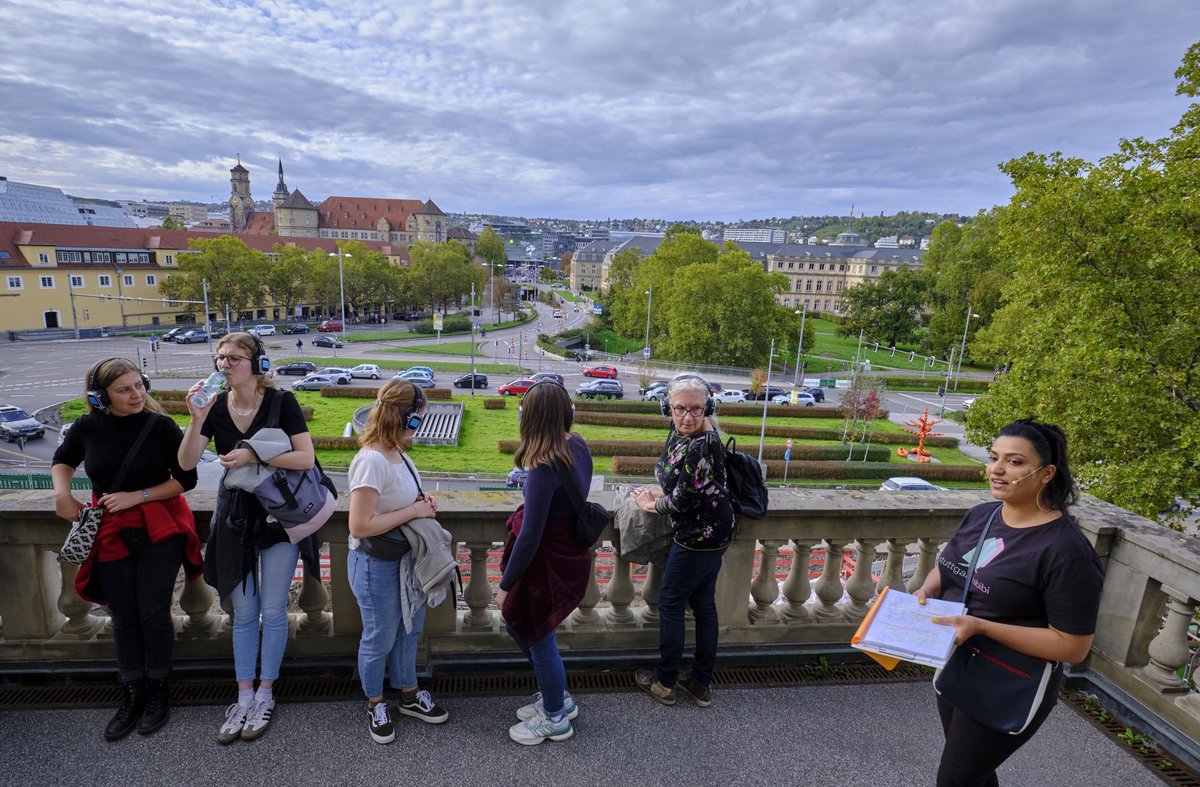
[385, 492]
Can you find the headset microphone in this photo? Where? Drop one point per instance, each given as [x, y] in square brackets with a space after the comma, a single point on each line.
[1016, 481]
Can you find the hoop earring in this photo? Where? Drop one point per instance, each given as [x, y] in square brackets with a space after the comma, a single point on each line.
[1039, 500]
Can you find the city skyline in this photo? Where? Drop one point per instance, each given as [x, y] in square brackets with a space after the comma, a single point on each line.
[665, 110]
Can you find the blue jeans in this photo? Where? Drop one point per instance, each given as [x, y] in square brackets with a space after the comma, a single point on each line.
[376, 586]
[690, 577]
[266, 600]
[547, 669]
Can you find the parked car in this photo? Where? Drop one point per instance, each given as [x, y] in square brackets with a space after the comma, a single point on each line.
[714, 388]
[297, 328]
[425, 370]
[315, 382]
[655, 393]
[597, 388]
[367, 370]
[419, 380]
[516, 387]
[652, 384]
[327, 341]
[296, 367]
[797, 398]
[188, 337]
[263, 330]
[730, 396]
[330, 325]
[471, 381]
[551, 376]
[967, 403]
[601, 371]
[173, 334]
[904, 483]
[339, 373]
[817, 393]
[765, 393]
[516, 478]
[15, 423]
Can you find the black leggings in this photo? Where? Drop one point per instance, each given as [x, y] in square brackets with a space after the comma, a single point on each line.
[973, 752]
[140, 589]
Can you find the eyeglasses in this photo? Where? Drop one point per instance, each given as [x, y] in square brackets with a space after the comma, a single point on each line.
[232, 360]
[682, 412]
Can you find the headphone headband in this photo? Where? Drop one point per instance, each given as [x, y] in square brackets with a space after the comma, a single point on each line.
[710, 406]
[96, 395]
[412, 416]
[535, 385]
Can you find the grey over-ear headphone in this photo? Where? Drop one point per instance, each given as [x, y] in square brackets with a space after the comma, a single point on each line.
[710, 407]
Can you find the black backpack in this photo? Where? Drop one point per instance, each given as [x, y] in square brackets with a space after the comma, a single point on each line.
[744, 482]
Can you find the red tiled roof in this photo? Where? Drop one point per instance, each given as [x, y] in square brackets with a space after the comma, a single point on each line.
[364, 213]
[259, 222]
[14, 234]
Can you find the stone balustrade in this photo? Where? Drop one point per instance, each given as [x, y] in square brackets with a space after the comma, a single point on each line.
[1152, 590]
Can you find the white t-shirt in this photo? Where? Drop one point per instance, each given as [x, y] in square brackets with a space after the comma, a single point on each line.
[394, 482]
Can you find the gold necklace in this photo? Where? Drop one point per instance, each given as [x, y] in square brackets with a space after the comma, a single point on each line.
[245, 413]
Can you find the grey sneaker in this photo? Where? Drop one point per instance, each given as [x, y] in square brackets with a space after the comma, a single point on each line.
[701, 694]
[533, 731]
[235, 719]
[424, 708]
[382, 728]
[258, 720]
[647, 681]
[527, 712]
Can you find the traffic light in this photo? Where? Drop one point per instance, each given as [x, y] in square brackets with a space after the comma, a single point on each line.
[145, 363]
[941, 390]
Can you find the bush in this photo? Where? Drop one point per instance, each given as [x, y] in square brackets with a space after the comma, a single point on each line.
[171, 407]
[170, 396]
[329, 442]
[749, 408]
[348, 391]
[450, 323]
[653, 448]
[495, 403]
[934, 382]
[826, 470]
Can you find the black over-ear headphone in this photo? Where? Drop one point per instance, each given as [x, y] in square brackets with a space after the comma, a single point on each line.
[96, 395]
[259, 362]
[710, 407]
[535, 385]
[412, 416]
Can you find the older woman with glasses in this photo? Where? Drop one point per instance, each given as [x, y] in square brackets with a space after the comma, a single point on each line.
[693, 494]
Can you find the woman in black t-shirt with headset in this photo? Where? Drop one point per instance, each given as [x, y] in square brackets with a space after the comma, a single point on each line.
[1036, 586]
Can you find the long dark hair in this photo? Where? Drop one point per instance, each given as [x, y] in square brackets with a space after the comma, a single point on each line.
[546, 416]
[1051, 446]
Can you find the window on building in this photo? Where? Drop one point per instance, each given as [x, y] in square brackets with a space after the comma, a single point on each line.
[821, 267]
[46, 282]
[874, 268]
[840, 285]
[808, 286]
[818, 285]
[43, 258]
[826, 304]
[104, 280]
[103, 256]
[120, 257]
[62, 256]
[15, 283]
[151, 279]
[76, 281]
[127, 280]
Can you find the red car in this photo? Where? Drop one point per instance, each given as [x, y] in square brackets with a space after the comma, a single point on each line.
[516, 387]
[329, 326]
[601, 371]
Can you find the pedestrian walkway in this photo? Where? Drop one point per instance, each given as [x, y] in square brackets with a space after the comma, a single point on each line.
[827, 735]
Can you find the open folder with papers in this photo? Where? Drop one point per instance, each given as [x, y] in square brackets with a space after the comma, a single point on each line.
[900, 628]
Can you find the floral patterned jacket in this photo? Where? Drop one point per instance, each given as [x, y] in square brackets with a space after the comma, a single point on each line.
[691, 471]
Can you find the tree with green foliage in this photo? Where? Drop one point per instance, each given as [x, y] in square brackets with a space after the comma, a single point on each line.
[441, 272]
[1101, 321]
[236, 275]
[172, 223]
[489, 246]
[290, 275]
[370, 280]
[887, 310]
[548, 275]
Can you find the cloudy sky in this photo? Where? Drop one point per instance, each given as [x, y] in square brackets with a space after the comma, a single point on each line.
[582, 109]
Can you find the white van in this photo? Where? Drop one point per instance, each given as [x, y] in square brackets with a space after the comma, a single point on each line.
[263, 330]
[558, 314]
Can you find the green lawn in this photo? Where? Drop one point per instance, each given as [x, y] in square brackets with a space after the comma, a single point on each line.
[567, 295]
[834, 353]
[444, 348]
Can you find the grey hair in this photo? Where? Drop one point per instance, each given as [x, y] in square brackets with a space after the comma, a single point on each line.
[690, 381]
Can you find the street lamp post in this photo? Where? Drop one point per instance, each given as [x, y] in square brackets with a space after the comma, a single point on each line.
[649, 304]
[962, 349]
[342, 287]
[800, 345]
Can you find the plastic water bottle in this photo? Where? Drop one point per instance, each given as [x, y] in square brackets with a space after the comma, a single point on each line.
[212, 386]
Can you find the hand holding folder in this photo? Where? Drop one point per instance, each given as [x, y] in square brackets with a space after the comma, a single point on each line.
[899, 628]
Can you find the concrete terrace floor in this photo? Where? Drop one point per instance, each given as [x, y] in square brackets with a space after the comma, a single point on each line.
[882, 734]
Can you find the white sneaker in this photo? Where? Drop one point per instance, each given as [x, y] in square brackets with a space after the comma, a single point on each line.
[258, 720]
[533, 731]
[235, 719]
[527, 712]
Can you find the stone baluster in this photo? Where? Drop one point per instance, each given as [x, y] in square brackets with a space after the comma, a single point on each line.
[80, 623]
[650, 593]
[313, 600]
[893, 569]
[926, 556]
[829, 586]
[797, 588]
[196, 602]
[586, 616]
[479, 592]
[620, 594]
[764, 589]
[1168, 650]
[860, 587]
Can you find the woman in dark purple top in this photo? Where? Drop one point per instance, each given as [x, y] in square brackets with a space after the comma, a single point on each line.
[545, 571]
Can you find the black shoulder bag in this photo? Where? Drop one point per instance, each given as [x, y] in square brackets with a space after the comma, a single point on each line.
[590, 518]
[997, 686]
[391, 544]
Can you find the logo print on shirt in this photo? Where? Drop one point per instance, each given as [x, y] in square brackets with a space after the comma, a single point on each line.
[991, 549]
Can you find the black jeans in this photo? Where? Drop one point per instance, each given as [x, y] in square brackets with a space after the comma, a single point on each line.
[689, 579]
[973, 752]
[140, 589]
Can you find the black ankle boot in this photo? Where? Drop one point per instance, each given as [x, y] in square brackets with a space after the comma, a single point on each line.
[133, 701]
[158, 706]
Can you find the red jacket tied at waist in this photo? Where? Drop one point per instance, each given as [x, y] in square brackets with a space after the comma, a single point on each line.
[553, 584]
[161, 519]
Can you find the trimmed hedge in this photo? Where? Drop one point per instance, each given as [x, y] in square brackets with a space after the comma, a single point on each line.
[330, 442]
[749, 408]
[934, 382]
[495, 403]
[169, 396]
[631, 448]
[352, 392]
[934, 471]
[171, 407]
[798, 432]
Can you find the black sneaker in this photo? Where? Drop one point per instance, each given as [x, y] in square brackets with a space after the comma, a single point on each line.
[701, 694]
[382, 729]
[424, 708]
